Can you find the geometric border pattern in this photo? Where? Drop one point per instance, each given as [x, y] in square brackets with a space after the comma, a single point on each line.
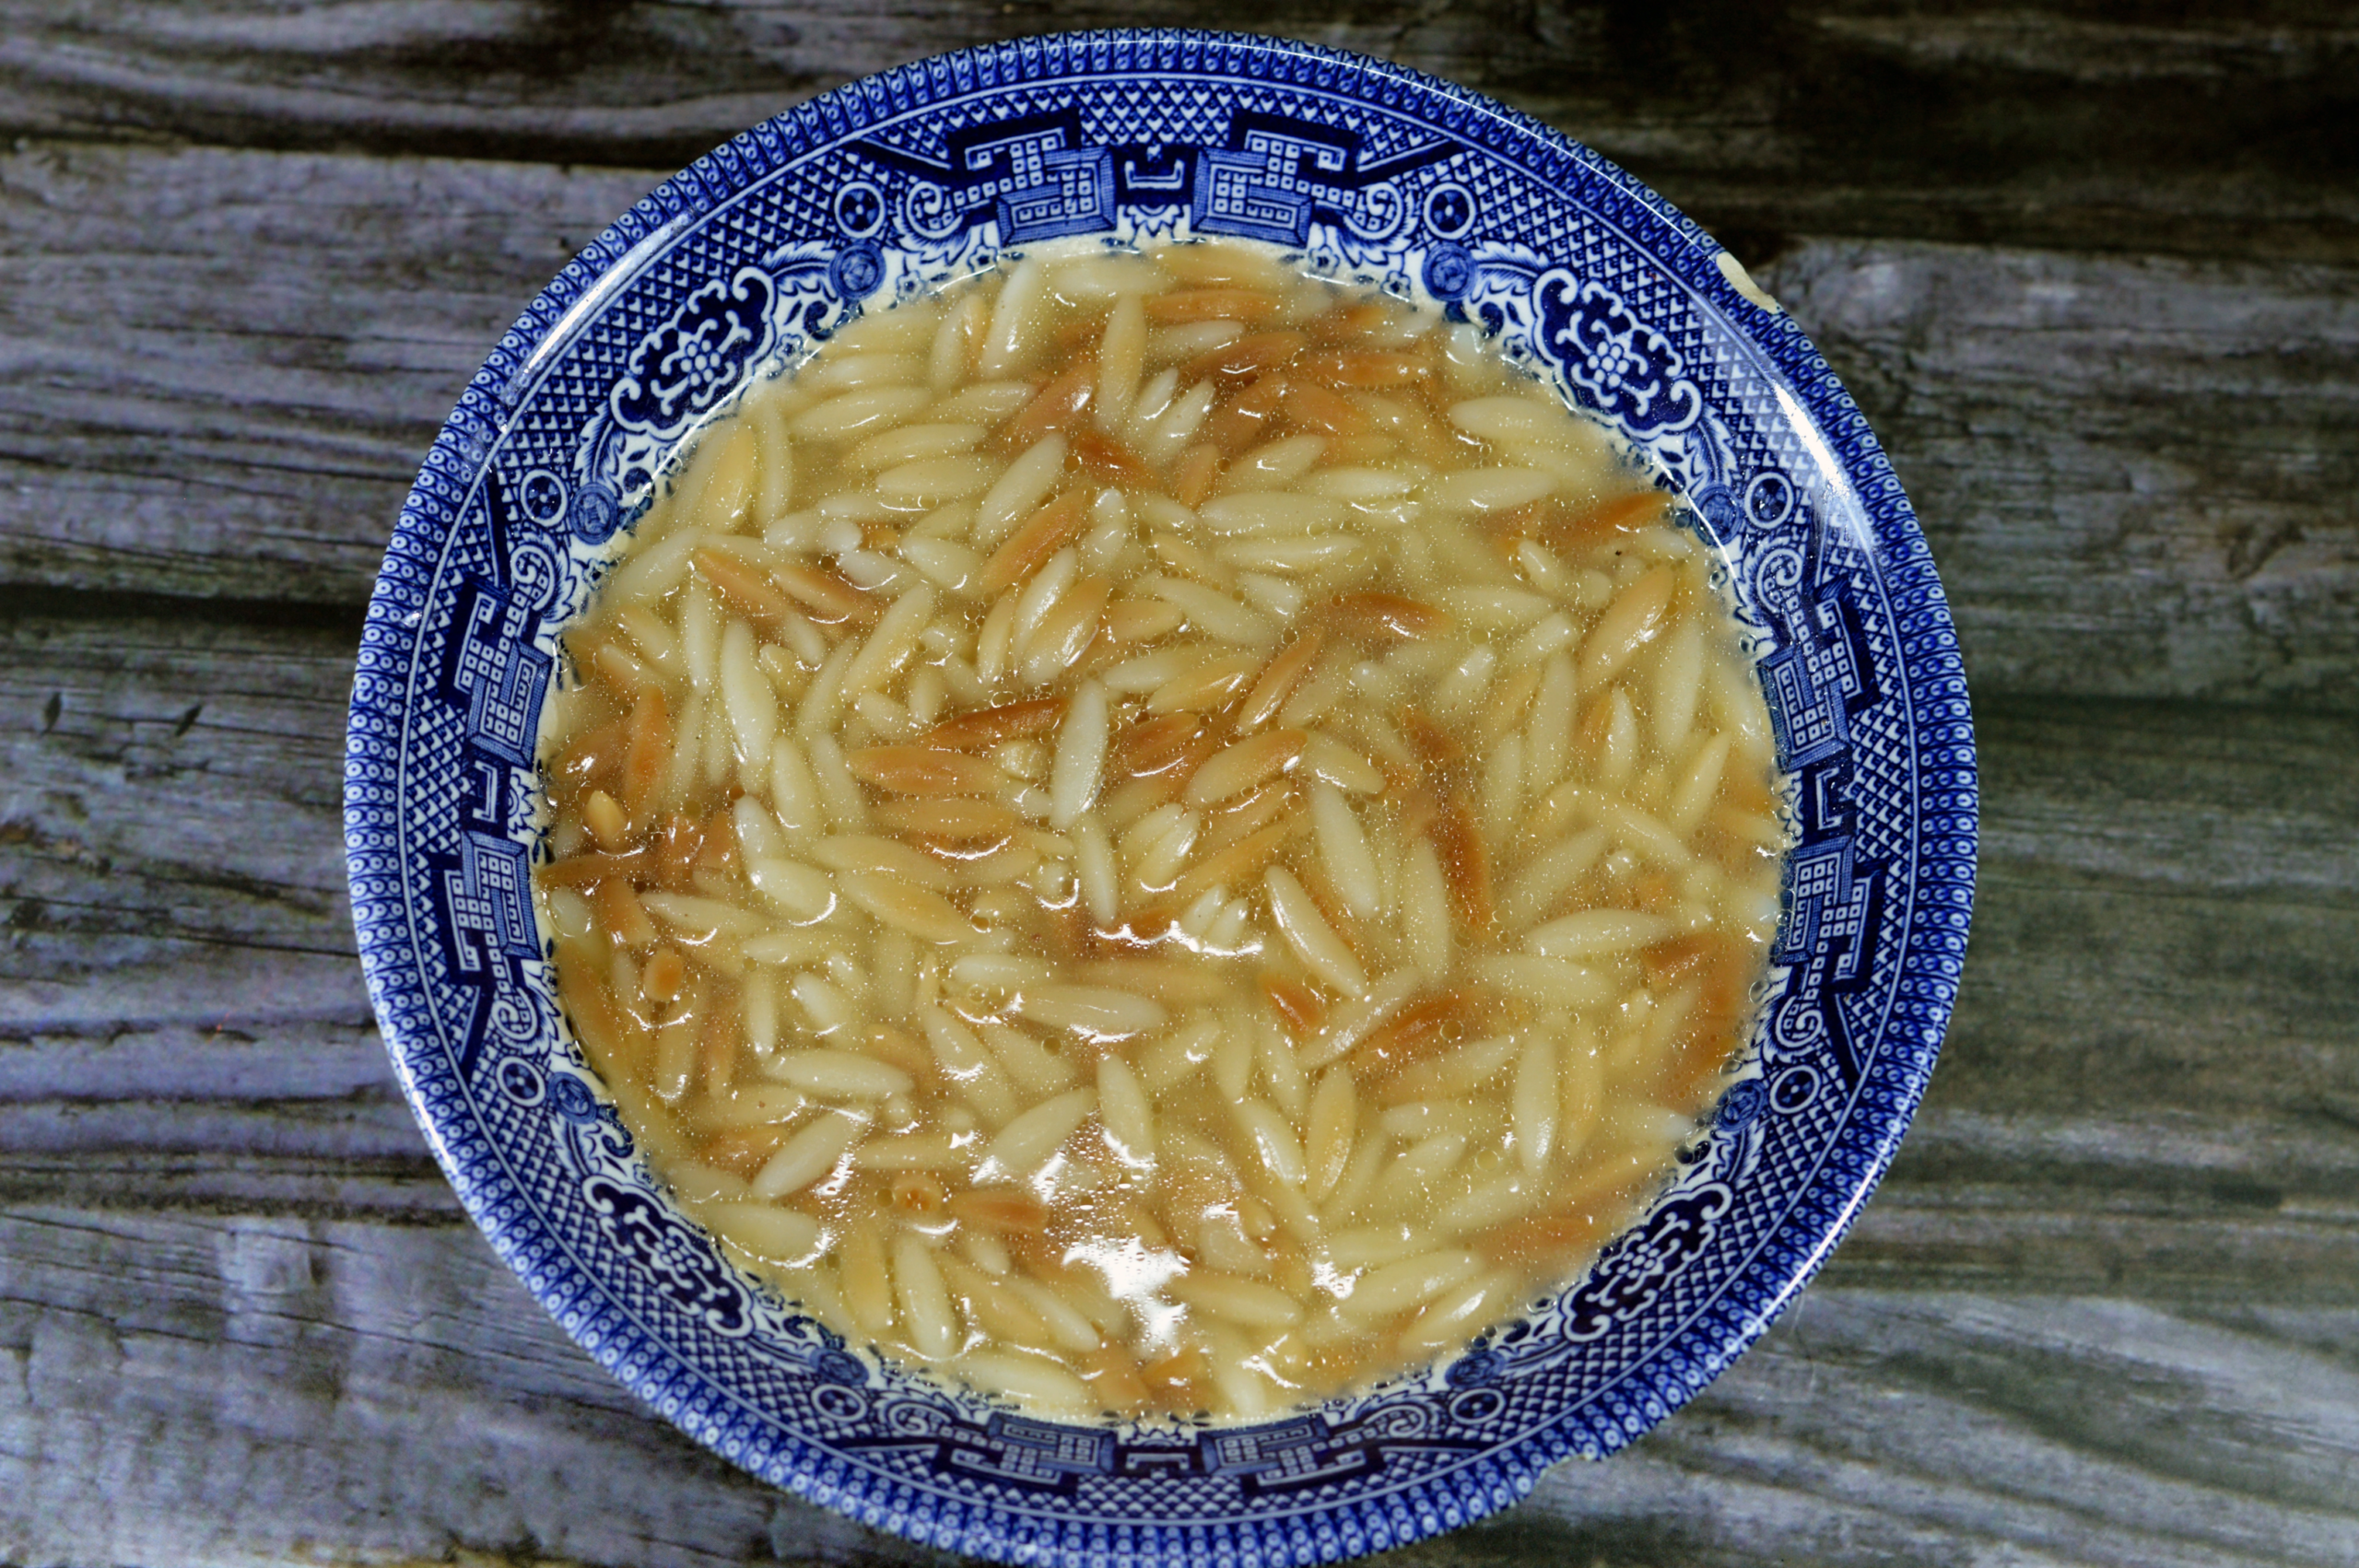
[1362, 170]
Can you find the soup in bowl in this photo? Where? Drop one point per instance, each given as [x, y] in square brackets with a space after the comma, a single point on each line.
[1159, 790]
[1159, 833]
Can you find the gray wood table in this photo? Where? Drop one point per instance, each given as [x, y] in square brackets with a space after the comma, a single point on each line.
[2092, 270]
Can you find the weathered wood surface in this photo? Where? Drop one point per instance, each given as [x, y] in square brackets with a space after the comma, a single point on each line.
[245, 1389]
[2203, 130]
[2093, 273]
[204, 422]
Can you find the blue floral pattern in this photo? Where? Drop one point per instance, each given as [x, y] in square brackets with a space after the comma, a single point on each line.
[1636, 1266]
[679, 1256]
[699, 357]
[1627, 368]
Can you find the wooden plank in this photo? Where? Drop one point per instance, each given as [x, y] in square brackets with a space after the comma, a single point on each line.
[1869, 1427]
[406, 1188]
[2133, 471]
[222, 370]
[2038, 125]
[2150, 1084]
[2168, 913]
[197, 422]
[239, 1389]
[173, 849]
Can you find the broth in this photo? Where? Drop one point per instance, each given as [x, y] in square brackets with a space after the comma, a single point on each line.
[1159, 835]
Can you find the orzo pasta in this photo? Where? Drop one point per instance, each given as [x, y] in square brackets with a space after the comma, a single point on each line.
[1159, 835]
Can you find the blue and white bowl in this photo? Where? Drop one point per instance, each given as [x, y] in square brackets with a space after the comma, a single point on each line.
[875, 191]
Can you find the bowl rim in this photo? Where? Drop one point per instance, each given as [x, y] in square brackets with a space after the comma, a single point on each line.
[1859, 1153]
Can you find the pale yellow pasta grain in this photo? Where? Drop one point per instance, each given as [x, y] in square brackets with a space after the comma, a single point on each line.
[1281, 1070]
[1031, 1377]
[1328, 759]
[867, 1279]
[701, 918]
[695, 1183]
[1487, 1204]
[1333, 1125]
[1365, 1245]
[1013, 338]
[954, 339]
[1455, 1315]
[1121, 353]
[1360, 1176]
[1591, 933]
[754, 1104]
[1628, 623]
[858, 361]
[700, 635]
[1273, 1140]
[1232, 1053]
[1099, 1011]
[1094, 863]
[1249, 1302]
[811, 1154]
[915, 443]
[1024, 1143]
[918, 1289]
[840, 1074]
[785, 1236]
[1548, 982]
[1503, 788]
[1699, 779]
[1425, 1118]
[1160, 441]
[1677, 683]
[1343, 847]
[1069, 1328]
[1277, 512]
[718, 490]
[1353, 1021]
[996, 639]
[1488, 489]
[1546, 876]
[874, 852]
[1026, 483]
[1171, 1060]
[1126, 1112]
[840, 794]
[889, 647]
[1036, 1071]
[1553, 634]
[849, 413]
[1535, 1101]
[1308, 932]
[912, 1152]
[976, 1077]
[1393, 1287]
[1080, 760]
[1549, 726]
[1212, 612]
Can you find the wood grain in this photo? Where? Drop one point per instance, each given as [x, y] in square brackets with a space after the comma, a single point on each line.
[2129, 468]
[2092, 272]
[142, 761]
[223, 369]
[238, 1389]
[196, 421]
[2151, 1051]
[2112, 126]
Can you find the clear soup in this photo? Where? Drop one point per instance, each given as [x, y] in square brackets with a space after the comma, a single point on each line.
[1159, 835]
